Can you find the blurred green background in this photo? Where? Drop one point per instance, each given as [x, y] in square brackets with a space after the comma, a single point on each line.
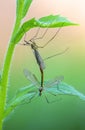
[68, 112]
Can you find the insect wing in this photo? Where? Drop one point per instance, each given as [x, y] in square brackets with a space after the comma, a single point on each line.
[31, 77]
[52, 87]
[55, 81]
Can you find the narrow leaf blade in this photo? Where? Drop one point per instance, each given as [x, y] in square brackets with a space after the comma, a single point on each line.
[64, 89]
[22, 8]
[53, 21]
[19, 9]
[23, 95]
[27, 4]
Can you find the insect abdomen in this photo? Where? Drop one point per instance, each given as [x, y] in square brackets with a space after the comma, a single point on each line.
[39, 59]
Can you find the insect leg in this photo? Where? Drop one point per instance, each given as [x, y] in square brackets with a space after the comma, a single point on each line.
[52, 37]
[42, 35]
[52, 101]
[57, 54]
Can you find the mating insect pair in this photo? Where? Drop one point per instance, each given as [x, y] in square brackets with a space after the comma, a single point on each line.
[53, 87]
[38, 58]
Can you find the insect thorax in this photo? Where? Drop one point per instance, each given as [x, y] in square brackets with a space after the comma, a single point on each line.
[33, 45]
[40, 91]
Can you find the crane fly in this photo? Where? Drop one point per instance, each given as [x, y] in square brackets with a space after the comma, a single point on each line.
[38, 58]
[37, 55]
[47, 85]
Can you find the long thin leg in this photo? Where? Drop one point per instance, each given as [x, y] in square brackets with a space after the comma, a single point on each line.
[56, 54]
[51, 38]
[25, 42]
[28, 100]
[35, 37]
[53, 101]
[42, 35]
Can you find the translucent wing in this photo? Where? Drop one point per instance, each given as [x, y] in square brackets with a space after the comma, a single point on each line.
[54, 81]
[52, 86]
[31, 77]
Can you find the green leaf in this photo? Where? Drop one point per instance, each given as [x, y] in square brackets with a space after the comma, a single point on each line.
[51, 21]
[26, 94]
[24, 28]
[64, 89]
[19, 9]
[23, 95]
[54, 21]
[27, 4]
[22, 8]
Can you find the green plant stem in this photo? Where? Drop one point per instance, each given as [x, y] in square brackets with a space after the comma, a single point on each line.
[4, 81]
